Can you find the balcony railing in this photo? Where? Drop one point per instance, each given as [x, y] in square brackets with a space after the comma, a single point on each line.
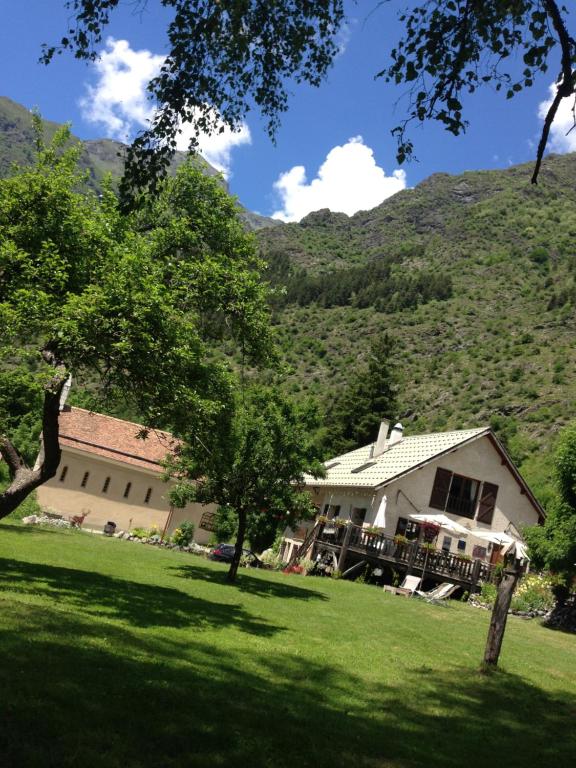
[412, 554]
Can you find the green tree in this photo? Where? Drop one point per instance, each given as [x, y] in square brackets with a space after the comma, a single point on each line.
[226, 56]
[251, 463]
[370, 396]
[553, 545]
[136, 301]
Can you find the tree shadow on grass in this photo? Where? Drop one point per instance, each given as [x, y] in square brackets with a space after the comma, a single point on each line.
[250, 583]
[29, 529]
[105, 697]
[141, 605]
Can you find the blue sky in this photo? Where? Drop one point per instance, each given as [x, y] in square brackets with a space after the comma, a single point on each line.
[334, 148]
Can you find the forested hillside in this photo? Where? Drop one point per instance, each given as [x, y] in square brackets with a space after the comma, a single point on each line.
[473, 274]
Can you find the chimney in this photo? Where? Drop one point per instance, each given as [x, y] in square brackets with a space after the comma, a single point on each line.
[380, 444]
[65, 391]
[396, 434]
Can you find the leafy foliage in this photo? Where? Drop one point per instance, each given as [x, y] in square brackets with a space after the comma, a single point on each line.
[449, 49]
[184, 534]
[223, 58]
[251, 464]
[554, 544]
[137, 301]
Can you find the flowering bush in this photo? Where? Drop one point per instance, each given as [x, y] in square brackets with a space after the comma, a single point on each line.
[183, 535]
[430, 531]
[534, 593]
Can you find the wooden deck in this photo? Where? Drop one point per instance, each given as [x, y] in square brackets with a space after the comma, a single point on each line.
[352, 543]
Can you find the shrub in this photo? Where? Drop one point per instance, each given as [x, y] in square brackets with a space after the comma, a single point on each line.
[140, 533]
[183, 535]
[488, 593]
[534, 593]
[307, 565]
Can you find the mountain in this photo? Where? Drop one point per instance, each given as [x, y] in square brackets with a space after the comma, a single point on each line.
[497, 347]
[99, 157]
[474, 275]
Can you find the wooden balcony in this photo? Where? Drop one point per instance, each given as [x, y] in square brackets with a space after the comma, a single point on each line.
[352, 543]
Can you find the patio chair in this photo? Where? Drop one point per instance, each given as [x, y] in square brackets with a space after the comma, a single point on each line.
[439, 593]
[408, 586]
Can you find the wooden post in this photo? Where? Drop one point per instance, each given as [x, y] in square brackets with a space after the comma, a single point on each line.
[500, 613]
[344, 550]
[475, 575]
[412, 558]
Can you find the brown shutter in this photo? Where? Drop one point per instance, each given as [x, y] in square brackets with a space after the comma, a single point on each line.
[441, 488]
[487, 503]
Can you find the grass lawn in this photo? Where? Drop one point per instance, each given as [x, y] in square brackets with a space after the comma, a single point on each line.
[121, 655]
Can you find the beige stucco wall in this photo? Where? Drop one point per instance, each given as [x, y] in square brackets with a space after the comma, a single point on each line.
[68, 498]
[411, 494]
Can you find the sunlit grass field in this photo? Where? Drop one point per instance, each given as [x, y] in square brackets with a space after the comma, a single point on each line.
[115, 654]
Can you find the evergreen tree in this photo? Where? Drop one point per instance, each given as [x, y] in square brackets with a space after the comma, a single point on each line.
[354, 417]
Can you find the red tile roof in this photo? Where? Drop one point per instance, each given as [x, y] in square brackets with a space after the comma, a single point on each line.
[114, 438]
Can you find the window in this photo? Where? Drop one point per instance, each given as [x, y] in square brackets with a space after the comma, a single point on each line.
[63, 474]
[331, 511]
[408, 528]
[461, 545]
[462, 495]
[106, 485]
[85, 479]
[479, 553]
[127, 490]
[357, 515]
[148, 494]
[446, 544]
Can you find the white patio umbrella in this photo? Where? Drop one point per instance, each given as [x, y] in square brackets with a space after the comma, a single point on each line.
[496, 537]
[442, 521]
[380, 519]
[503, 540]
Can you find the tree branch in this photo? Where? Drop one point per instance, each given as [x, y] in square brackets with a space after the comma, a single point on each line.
[565, 86]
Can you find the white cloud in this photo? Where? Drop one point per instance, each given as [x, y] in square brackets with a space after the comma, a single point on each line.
[561, 138]
[349, 180]
[119, 101]
[218, 146]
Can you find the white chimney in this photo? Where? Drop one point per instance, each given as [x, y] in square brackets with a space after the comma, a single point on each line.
[380, 445]
[396, 434]
[65, 391]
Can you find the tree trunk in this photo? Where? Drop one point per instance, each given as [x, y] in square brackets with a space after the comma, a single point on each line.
[23, 479]
[500, 615]
[231, 577]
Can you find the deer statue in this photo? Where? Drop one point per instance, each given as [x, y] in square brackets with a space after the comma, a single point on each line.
[77, 520]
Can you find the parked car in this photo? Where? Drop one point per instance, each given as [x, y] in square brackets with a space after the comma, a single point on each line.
[224, 553]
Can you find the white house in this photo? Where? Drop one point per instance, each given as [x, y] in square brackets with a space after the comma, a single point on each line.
[466, 475]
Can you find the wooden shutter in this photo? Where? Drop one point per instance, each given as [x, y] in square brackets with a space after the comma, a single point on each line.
[441, 487]
[487, 503]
